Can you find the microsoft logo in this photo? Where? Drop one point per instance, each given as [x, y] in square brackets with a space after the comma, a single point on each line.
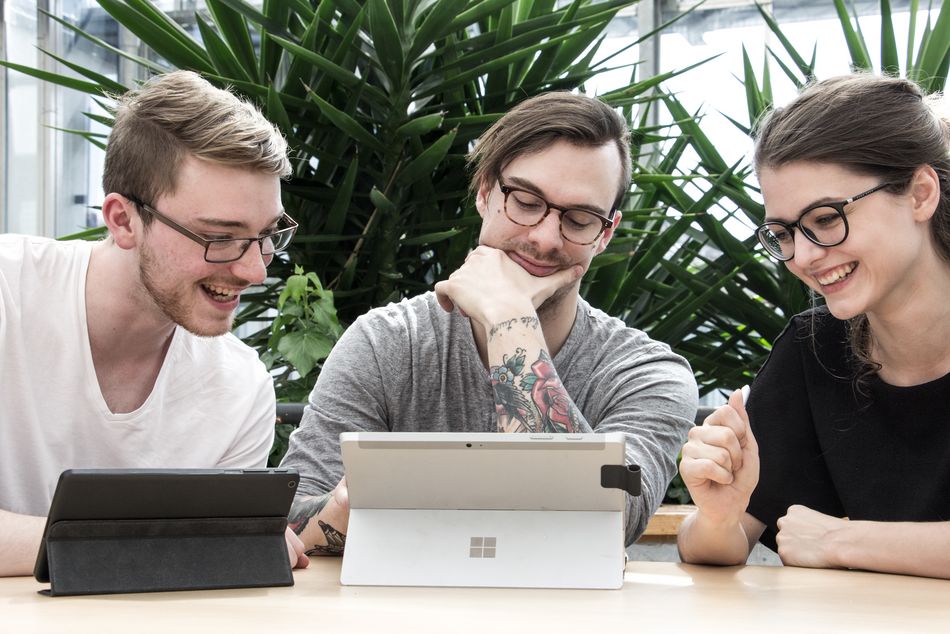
[482, 547]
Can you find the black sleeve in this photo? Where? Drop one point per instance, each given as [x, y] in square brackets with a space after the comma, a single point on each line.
[782, 417]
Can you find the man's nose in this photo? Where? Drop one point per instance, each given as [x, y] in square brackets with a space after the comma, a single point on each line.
[251, 266]
[547, 233]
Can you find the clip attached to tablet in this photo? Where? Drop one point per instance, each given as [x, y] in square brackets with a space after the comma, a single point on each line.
[619, 476]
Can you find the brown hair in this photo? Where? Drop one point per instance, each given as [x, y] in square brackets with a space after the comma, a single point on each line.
[879, 126]
[537, 123]
[177, 114]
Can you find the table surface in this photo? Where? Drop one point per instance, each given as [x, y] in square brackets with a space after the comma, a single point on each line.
[655, 596]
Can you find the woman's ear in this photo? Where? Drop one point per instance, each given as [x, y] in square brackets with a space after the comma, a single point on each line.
[925, 192]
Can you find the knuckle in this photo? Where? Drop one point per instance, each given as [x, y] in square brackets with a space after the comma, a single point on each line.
[723, 458]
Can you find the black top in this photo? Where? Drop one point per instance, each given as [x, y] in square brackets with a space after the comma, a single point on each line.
[882, 456]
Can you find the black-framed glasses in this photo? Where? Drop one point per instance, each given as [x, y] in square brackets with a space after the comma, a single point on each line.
[222, 250]
[825, 225]
[580, 226]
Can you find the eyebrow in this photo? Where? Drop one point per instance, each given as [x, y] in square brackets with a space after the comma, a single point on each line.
[824, 200]
[526, 184]
[220, 223]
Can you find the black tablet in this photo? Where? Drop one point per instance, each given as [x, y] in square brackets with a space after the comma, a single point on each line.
[104, 495]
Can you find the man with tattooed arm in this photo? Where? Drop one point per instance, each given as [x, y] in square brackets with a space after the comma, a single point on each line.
[506, 343]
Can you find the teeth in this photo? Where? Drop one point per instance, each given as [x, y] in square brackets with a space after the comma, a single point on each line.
[833, 276]
[220, 290]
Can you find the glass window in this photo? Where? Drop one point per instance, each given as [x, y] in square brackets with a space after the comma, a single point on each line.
[53, 179]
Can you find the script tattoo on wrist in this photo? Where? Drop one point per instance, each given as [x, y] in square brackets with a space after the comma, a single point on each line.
[336, 541]
[534, 400]
[304, 509]
[528, 321]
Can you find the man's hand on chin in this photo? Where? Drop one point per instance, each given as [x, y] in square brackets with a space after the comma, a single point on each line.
[490, 283]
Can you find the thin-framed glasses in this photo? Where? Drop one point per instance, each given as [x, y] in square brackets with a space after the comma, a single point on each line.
[580, 226]
[825, 225]
[222, 250]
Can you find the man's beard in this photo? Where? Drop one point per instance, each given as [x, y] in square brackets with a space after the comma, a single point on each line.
[552, 304]
[172, 304]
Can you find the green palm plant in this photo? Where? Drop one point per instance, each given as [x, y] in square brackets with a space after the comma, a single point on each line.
[380, 101]
[690, 281]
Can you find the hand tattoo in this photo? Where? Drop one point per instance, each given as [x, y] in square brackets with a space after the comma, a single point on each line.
[336, 541]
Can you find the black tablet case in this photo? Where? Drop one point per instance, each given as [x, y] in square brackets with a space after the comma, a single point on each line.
[114, 531]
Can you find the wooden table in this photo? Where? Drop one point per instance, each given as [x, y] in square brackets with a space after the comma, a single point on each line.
[656, 597]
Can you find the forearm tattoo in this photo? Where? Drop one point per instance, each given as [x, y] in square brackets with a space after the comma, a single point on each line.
[507, 325]
[304, 509]
[531, 399]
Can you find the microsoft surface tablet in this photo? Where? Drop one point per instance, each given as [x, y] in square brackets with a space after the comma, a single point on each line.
[468, 509]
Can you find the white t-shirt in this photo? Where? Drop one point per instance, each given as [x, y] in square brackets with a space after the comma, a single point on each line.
[212, 404]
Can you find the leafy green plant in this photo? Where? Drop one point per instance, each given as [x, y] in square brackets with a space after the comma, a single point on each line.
[380, 101]
[301, 335]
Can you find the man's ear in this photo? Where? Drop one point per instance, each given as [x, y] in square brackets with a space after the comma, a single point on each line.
[485, 188]
[604, 240]
[122, 219]
[925, 192]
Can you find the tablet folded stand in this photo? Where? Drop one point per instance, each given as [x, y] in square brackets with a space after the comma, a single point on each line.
[151, 555]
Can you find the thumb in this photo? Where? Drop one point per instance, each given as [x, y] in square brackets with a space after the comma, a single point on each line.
[737, 402]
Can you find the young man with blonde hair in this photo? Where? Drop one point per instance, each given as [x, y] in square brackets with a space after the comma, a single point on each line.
[118, 353]
[506, 344]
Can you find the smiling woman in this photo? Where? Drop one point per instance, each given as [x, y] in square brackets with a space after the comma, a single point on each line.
[842, 458]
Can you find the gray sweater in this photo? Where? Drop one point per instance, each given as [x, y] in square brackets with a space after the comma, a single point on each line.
[411, 366]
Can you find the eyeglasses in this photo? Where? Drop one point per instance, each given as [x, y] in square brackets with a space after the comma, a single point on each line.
[527, 209]
[825, 225]
[221, 250]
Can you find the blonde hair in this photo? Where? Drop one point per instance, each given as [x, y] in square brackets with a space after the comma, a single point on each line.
[179, 114]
